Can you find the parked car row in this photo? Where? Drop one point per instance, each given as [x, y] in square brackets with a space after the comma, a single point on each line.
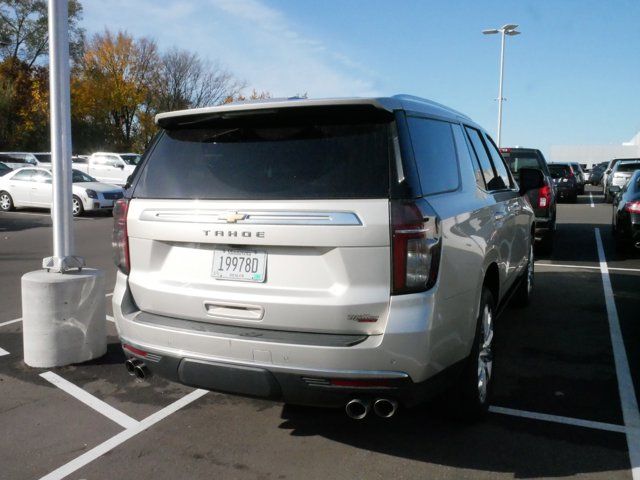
[31, 187]
[625, 221]
[113, 168]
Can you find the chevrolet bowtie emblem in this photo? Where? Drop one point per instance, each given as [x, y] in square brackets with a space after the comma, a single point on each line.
[232, 217]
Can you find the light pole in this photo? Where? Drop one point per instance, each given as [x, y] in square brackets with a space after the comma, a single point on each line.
[510, 30]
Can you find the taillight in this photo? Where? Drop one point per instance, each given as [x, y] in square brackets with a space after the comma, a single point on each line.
[544, 196]
[415, 249]
[632, 207]
[120, 238]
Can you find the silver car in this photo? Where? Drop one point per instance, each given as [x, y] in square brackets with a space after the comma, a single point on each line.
[348, 252]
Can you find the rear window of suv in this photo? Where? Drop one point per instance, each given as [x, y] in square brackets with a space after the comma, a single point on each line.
[628, 167]
[559, 171]
[271, 157]
[518, 160]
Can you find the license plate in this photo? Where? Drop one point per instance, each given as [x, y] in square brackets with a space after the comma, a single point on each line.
[240, 265]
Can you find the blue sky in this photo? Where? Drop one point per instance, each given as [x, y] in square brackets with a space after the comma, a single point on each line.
[572, 77]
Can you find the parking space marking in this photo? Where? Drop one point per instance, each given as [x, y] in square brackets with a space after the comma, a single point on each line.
[630, 412]
[110, 319]
[10, 322]
[578, 422]
[122, 437]
[618, 269]
[591, 200]
[3, 352]
[109, 294]
[85, 397]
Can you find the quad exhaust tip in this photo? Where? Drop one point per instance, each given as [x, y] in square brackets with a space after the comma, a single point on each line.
[357, 408]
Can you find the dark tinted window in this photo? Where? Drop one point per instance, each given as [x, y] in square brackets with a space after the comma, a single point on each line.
[491, 180]
[435, 154]
[559, 171]
[131, 159]
[498, 162]
[79, 176]
[4, 169]
[627, 167]
[24, 175]
[264, 157]
[518, 160]
[43, 157]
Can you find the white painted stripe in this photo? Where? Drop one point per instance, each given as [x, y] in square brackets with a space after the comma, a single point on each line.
[3, 352]
[85, 397]
[628, 400]
[578, 422]
[122, 437]
[10, 322]
[109, 294]
[110, 319]
[540, 264]
[591, 200]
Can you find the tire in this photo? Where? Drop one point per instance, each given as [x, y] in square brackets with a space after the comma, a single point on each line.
[6, 202]
[522, 295]
[77, 208]
[473, 390]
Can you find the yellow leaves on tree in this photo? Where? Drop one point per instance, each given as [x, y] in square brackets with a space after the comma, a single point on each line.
[113, 84]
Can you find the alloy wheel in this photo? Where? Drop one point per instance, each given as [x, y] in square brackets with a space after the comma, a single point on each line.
[5, 202]
[76, 207]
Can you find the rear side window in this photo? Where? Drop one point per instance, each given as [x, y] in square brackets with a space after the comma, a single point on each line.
[24, 175]
[498, 162]
[435, 154]
[491, 179]
[270, 157]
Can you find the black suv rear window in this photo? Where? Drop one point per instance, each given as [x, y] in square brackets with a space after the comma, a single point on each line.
[518, 160]
[271, 157]
[559, 171]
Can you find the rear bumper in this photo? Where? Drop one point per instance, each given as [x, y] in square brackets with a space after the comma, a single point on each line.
[395, 364]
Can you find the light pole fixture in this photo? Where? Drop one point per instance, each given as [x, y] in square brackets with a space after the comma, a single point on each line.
[509, 29]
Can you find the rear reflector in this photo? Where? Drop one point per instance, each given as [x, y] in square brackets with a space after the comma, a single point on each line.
[343, 382]
[544, 197]
[134, 350]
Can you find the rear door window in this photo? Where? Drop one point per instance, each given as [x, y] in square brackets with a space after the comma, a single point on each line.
[24, 175]
[435, 154]
[271, 157]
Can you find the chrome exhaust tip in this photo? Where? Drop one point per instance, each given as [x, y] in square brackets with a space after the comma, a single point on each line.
[140, 371]
[357, 409]
[637, 245]
[385, 408]
[130, 364]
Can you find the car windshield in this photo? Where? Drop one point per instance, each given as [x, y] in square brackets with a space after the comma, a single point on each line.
[79, 177]
[131, 159]
[559, 171]
[628, 167]
[18, 158]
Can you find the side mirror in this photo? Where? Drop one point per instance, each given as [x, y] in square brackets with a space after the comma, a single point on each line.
[530, 179]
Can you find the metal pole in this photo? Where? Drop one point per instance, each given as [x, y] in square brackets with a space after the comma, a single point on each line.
[60, 107]
[504, 34]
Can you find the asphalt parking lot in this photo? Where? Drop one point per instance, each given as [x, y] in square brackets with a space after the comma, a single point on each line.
[566, 383]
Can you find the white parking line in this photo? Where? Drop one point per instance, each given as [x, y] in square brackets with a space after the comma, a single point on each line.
[10, 322]
[122, 437]
[110, 319]
[578, 422]
[85, 397]
[3, 352]
[539, 264]
[591, 200]
[628, 400]
[109, 294]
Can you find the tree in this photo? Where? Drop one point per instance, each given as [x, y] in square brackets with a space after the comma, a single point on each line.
[186, 81]
[24, 32]
[113, 83]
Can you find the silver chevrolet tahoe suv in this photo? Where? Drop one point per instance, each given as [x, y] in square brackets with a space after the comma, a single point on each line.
[345, 252]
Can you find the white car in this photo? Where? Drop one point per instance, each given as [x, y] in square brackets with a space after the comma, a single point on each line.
[19, 159]
[31, 187]
[109, 167]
